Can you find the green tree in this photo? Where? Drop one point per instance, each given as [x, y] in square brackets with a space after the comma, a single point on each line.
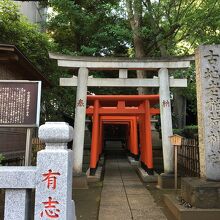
[163, 28]
[172, 27]
[137, 28]
[15, 29]
[89, 28]
[185, 96]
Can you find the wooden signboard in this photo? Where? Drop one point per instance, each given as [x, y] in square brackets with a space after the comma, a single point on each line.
[176, 139]
[19, 103]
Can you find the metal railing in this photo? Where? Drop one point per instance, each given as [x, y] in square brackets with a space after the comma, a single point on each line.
[188, 158]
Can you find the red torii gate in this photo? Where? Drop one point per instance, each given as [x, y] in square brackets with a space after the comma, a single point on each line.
[131, 121]
[140, 106]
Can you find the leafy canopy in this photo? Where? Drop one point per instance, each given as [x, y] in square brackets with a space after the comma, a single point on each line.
[109, 28]
[89, 27]
[15, 29]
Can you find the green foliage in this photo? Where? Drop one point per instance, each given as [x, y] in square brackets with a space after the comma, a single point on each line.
[188, 131]
[180, 26]
[102, 28]
[190, 91]
[89, 28]
[15, 29]
[1, 158]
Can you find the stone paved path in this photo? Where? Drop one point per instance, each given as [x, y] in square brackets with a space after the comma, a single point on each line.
[124, 197]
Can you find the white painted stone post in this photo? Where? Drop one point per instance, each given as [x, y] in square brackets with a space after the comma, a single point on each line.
[166, 120]
[79, 124]
[53, 197]
[208, 105]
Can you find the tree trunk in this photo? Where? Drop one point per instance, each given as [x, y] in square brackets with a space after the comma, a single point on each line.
[134, 10]
[179, 110]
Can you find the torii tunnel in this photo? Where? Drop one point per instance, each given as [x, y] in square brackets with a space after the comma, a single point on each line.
[133, 110]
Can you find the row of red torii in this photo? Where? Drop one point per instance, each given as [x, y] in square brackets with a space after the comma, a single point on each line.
[132, 110]
[144, 107]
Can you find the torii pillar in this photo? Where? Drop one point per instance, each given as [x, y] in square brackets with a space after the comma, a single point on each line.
[166, 119]
[79, 123]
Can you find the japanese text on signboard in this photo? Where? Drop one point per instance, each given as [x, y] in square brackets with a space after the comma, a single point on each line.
[18, 103]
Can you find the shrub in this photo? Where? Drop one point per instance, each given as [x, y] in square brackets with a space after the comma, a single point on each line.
[1, 158]
[190, 131]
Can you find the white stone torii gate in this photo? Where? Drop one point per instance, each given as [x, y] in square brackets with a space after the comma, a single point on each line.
[123, 65]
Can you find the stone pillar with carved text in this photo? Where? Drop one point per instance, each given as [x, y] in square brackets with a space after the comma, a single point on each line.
[166, 119]
[79, 124]
[208, 105]
[53, 197]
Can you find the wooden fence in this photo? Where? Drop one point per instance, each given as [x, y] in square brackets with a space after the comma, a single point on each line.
[37, 144]
[188, 158]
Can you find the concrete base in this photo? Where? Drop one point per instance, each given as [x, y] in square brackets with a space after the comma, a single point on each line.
[80, 182]
[182, 213]
[96, 177]
[146, 177]
[150, 171]
[167, 181]
[201, 193]
[132, 161]
[101, 161]
[98, 172]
